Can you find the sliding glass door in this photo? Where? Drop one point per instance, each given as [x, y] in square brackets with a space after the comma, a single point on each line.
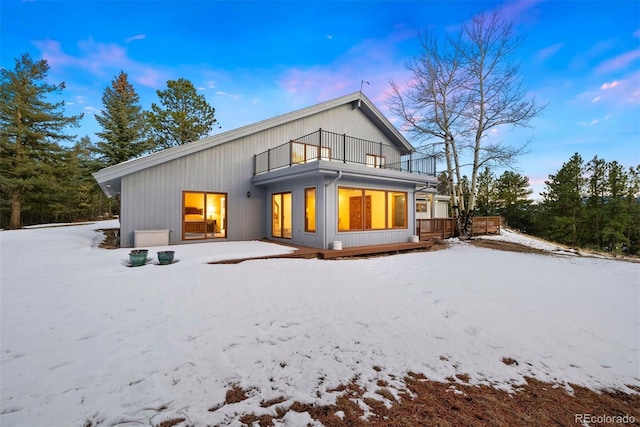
[281, 215]
[204, 215]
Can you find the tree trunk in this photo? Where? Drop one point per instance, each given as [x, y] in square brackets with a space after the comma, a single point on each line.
[450, 186]
[15, 222]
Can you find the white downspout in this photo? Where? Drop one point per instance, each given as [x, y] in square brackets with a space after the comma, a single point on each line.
[334, 180]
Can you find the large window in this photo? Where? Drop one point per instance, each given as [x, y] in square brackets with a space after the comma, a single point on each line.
[204, 215]
[281, 215]
[310, 210]
[362, 209]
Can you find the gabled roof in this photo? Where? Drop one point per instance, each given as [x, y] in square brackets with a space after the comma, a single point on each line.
[109, 178]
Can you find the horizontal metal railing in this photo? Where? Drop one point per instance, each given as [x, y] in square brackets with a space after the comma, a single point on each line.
[325, 145]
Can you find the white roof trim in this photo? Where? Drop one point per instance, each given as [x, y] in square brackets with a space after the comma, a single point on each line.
[109, 177]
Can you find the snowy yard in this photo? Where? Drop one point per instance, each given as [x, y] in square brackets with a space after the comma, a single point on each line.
[87, 339]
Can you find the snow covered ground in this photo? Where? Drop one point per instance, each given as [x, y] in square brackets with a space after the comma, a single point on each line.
[87, 339]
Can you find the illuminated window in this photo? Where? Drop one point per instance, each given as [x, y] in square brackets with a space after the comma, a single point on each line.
[397, 205]
[362, 209]
[304, 153]
[281, 215]
[310, 210]
[204, 215]
[374, 161]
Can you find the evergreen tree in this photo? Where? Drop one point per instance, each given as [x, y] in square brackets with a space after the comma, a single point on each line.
[513, 201]
[632, 199]
[83, 199]
[183, 117]
[30, 129]
[486, 199]
[617, 217]
[563, 206]
[122, 120]
[597, 197]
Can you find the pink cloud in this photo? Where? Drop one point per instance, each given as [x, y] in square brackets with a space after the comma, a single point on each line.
[102, 60]
[373, 60]
[150, 77]
[53, 54]
[548, 52]
[606, 86]
[619, 62]
[516, 9]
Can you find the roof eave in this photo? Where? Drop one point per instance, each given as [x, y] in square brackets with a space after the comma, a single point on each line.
[114, 173]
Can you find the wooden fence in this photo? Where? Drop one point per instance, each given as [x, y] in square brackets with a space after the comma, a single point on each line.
[443, 228]
[483, 225]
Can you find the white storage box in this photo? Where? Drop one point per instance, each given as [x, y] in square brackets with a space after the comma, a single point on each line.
[143, 238]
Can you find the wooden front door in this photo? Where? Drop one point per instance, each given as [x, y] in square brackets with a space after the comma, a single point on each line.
[355, 213]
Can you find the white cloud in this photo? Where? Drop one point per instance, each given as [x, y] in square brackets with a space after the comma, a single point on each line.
[611, 85]
[591, 123]
[234, 96]
[596, 99]
[136, 37]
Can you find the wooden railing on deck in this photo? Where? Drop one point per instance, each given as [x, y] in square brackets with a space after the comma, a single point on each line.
[435, 228]
[443, 228]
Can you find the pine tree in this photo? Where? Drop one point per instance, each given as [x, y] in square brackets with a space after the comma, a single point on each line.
[30, 129]
[81, 200]
[617, 217]
[513, 200]
[183, 117]
[486, 198]
[563, 206]
[597, 198]
[632, 198]
[122, 120]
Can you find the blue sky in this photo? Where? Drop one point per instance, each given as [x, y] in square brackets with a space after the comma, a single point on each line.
[255, 60]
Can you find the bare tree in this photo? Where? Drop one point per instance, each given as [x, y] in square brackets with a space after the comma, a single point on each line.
[432, 105]
[462, 88]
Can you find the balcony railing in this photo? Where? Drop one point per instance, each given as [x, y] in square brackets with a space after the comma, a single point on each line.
[324, 145]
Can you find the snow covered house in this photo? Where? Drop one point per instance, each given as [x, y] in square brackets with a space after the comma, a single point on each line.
[335, 171]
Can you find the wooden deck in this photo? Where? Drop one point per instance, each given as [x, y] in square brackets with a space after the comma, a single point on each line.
[391, 248]
[309, 253]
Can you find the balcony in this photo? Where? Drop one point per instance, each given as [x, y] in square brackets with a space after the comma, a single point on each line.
[330, 146]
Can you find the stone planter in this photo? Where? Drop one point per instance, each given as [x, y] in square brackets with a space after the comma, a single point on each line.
[138, 257]
[165, 257]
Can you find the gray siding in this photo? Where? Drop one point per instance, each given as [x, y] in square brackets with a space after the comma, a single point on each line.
[152, 198]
